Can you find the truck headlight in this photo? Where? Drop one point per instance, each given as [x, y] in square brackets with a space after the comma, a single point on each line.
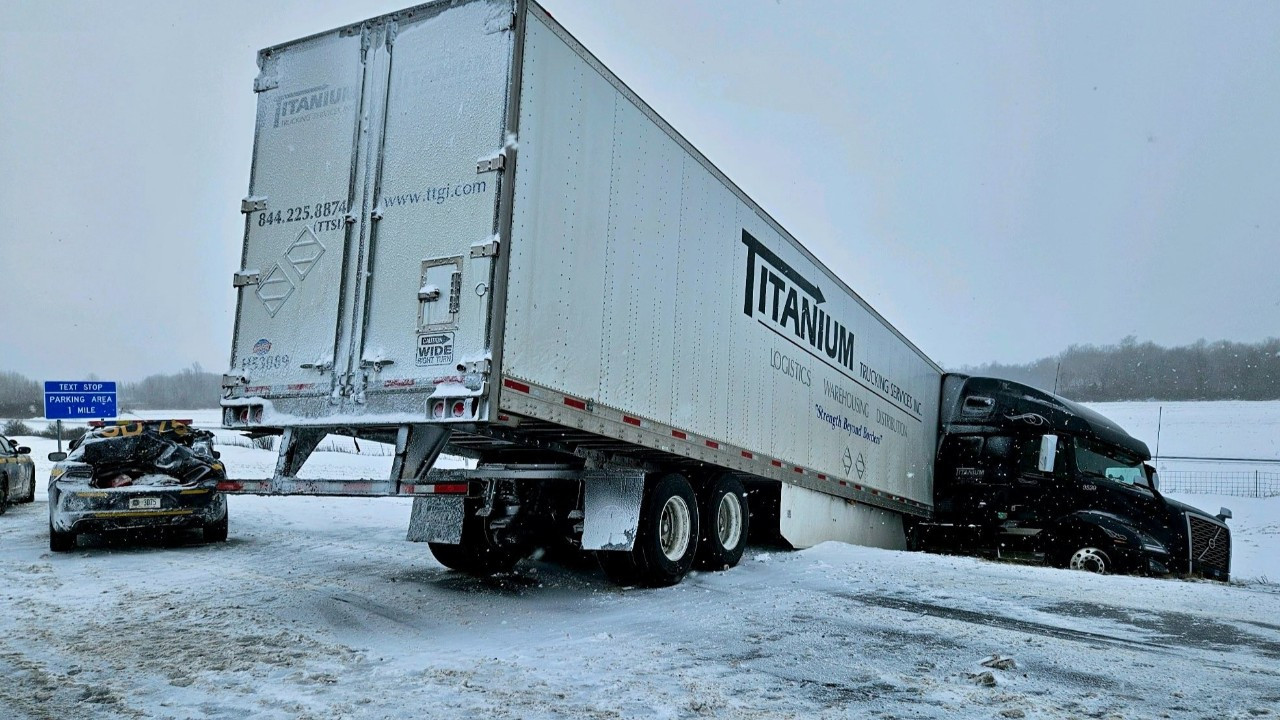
[1151, 544]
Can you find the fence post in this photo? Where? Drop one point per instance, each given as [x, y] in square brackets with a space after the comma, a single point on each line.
[1257, 491]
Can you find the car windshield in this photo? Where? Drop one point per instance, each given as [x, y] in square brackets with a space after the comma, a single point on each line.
[1098, 460]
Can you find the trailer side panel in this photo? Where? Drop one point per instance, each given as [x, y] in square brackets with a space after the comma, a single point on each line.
[653, 302]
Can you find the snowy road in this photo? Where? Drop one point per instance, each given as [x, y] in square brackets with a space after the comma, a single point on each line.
[319, 608]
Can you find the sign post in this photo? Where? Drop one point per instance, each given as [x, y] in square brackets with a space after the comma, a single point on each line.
[78, 400]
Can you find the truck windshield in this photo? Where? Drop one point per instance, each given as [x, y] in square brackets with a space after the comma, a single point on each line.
[1098, 460]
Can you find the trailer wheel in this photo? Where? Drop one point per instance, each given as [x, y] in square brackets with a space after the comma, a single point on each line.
[667, 541]
[725, 522]
[475, 555]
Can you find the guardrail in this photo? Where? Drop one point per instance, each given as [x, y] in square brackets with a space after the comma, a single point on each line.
[1240, 483]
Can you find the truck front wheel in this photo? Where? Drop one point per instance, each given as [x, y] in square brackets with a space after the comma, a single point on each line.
[667, 540]
[1091, 559]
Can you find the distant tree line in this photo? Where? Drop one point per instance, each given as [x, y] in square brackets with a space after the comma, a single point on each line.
[189, 389]
[1145, 371]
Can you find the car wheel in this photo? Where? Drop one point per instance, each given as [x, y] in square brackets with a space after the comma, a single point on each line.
[725, 521]
[4, 494]
[61, 541]
[667, 540]
[31, 490]
[216, 531]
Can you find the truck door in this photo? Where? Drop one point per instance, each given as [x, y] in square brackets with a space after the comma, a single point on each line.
[306, 180]
[425, 306]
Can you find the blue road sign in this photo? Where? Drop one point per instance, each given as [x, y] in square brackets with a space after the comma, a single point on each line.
[79, 400]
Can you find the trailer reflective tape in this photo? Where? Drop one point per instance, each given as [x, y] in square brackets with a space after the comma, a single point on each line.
[799, 470]
[775, 463]
[575, 403]
[301, 386]
[630, 420]
[399, 382]
[821, 476]
[713, 444]
[517, 386]
[679, 434]
[448, 488]
[258, 390]
[747, 454]
[229, 486]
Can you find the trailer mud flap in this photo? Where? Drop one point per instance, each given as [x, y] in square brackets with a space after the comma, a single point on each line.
[437, 518]
[611, 508]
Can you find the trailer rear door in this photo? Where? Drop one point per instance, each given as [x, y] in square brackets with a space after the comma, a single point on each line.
[370, 239]
[432, 248]
[304, 184]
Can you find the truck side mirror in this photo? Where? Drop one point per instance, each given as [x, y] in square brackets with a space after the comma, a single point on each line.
[57, 456]
[1224, 513]
[1048, 453]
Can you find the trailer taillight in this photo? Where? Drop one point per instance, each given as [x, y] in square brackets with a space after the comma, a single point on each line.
[459, 408]
[437, 409]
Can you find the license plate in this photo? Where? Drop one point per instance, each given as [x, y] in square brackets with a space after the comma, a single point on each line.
[144, 503]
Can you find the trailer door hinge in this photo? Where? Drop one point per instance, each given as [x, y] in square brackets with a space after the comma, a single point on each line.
[486, 249]
[243, 278]
[497, 162]
[253, 204]
[268, 78]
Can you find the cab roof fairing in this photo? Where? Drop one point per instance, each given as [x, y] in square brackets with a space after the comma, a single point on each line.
[1015, 401]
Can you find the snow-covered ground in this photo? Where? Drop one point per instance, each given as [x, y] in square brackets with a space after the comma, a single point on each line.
[318, 608]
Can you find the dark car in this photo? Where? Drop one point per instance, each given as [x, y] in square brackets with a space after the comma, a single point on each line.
[17, 474]
[137, 475]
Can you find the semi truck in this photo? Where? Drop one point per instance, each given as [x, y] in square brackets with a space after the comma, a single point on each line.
[465, 235]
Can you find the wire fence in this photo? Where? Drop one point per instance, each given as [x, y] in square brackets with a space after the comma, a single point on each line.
[1241, 483]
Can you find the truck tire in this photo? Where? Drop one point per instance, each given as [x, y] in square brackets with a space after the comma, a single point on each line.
[725, 522]
[1090, 558]
[61, 541]
[667, 540]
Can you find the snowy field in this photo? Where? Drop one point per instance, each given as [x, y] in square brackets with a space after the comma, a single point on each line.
[318, 608]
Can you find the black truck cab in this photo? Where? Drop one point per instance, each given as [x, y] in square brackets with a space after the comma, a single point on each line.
[1025, 472]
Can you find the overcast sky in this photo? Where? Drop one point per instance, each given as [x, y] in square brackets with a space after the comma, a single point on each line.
[1000, 180]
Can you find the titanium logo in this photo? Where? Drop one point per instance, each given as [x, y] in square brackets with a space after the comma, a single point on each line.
[306, 105]
[786, 299]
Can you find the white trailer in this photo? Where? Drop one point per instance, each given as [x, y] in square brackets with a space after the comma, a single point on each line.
[464, 234]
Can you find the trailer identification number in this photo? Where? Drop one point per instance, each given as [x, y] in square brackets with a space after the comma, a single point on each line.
[435, 349]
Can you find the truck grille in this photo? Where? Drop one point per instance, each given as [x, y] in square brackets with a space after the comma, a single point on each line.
[1210, 545]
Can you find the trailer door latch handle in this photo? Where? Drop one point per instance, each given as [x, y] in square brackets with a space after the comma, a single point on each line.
[244, 278]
